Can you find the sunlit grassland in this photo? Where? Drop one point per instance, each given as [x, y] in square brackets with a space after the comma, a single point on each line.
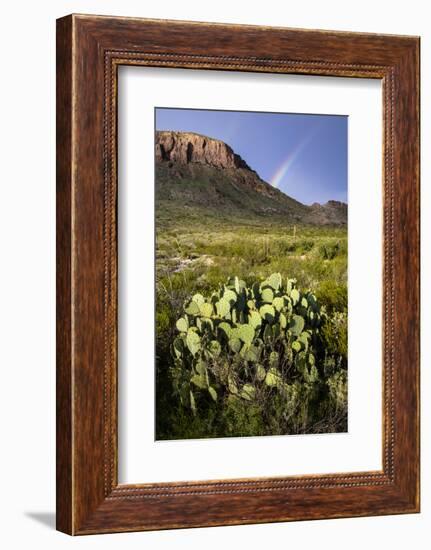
[196, 257]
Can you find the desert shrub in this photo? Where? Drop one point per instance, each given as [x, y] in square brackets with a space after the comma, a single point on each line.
[163, 320]
[306, 245]
[252, 359]
[334, 335]
[295, 245]
[333, 295]
[330, 250]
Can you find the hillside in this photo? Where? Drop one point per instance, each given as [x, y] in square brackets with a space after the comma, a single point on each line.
[200, 176]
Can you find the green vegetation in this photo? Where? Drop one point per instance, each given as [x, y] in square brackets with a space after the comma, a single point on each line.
[279, 370]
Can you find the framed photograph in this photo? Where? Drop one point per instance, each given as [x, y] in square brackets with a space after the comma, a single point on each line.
[237, 274]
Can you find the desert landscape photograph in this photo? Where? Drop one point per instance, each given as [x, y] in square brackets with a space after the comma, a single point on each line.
[251, 273]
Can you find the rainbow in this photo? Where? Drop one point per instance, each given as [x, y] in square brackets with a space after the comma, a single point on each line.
[284, 167]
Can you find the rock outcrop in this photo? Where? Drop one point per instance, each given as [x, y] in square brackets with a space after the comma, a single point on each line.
[331, 213]
[187, 147]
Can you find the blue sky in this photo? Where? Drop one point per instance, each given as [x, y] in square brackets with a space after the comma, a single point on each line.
[303, 155]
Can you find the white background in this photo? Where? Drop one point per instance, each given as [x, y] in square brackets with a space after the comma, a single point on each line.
[141, 458]
[27, 313]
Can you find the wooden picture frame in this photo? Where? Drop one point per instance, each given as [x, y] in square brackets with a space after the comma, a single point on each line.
[89, 51]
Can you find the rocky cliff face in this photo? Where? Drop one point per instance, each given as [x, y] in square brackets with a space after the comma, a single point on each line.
[187, 147]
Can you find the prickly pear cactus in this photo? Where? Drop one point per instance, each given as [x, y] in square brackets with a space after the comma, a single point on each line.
[247, 341]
